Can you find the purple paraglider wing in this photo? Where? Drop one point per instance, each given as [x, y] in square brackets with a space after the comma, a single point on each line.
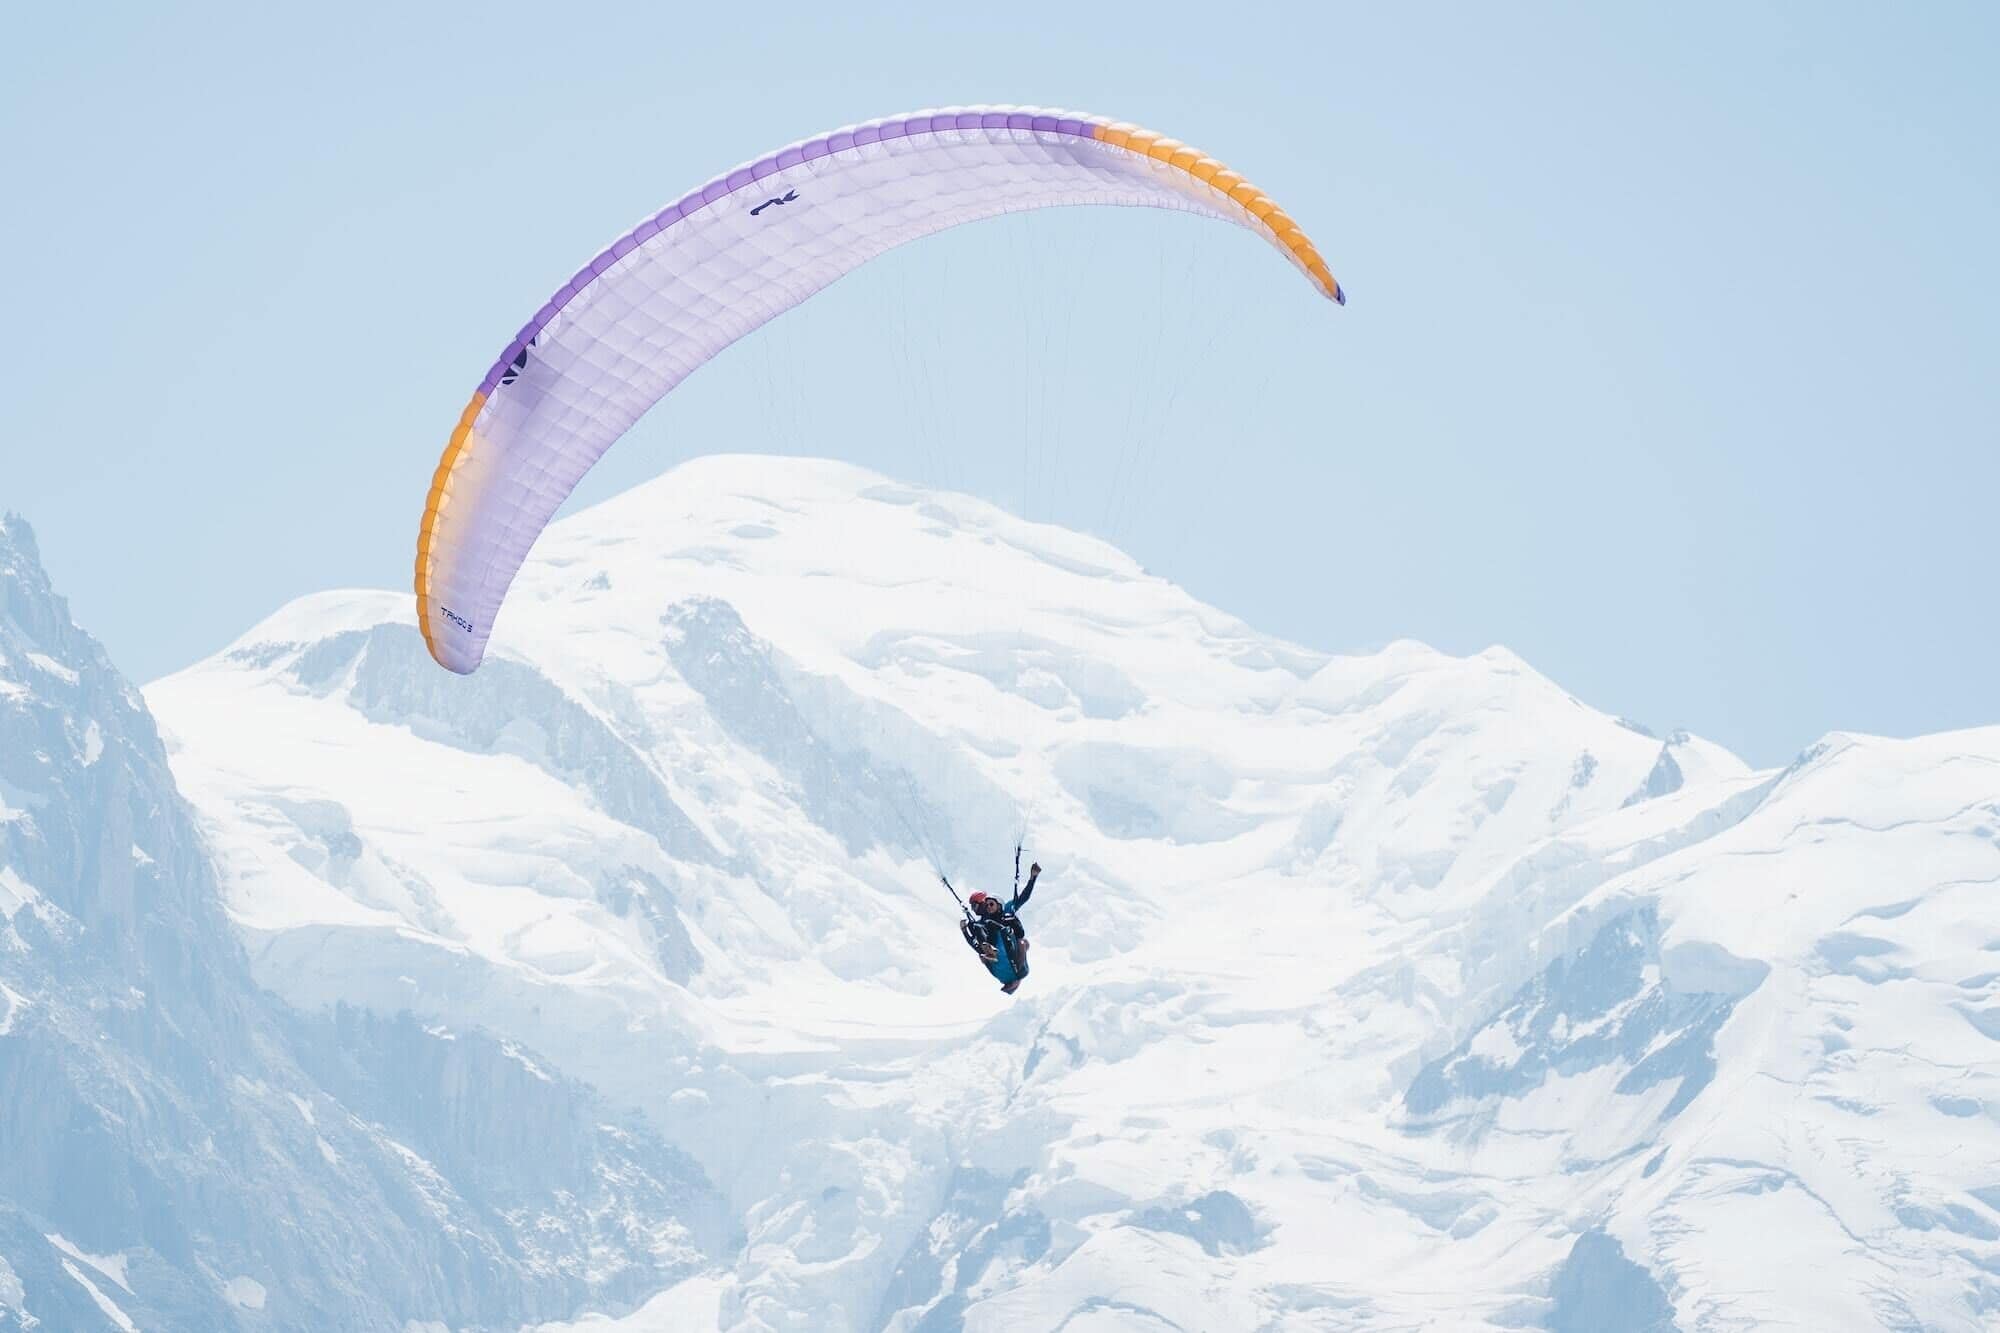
[724, 259]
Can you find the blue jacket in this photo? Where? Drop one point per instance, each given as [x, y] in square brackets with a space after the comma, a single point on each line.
[1004, 934]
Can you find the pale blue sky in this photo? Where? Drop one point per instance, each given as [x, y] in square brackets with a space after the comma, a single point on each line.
[1669, 363]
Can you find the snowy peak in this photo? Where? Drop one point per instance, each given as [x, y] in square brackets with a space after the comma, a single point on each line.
[756, 681]
[839, 564]
[77, 741]
[45, 657]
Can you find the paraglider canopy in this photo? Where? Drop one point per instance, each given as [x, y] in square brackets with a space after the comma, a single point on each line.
[724, 259]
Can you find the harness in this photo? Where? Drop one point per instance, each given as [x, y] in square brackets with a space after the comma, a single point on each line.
[1002, 931]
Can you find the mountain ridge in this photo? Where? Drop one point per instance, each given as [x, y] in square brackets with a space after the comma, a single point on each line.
[175, 1157]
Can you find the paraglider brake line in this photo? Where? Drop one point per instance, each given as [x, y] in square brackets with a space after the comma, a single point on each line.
[944, 880]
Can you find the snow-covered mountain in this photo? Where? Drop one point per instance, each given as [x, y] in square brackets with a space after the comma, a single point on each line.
[1389, 991]
[178, 1151]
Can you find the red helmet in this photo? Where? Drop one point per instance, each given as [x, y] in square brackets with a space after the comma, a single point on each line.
[978, 898]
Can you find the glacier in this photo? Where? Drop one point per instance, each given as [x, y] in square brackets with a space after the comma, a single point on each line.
[1390, 990]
